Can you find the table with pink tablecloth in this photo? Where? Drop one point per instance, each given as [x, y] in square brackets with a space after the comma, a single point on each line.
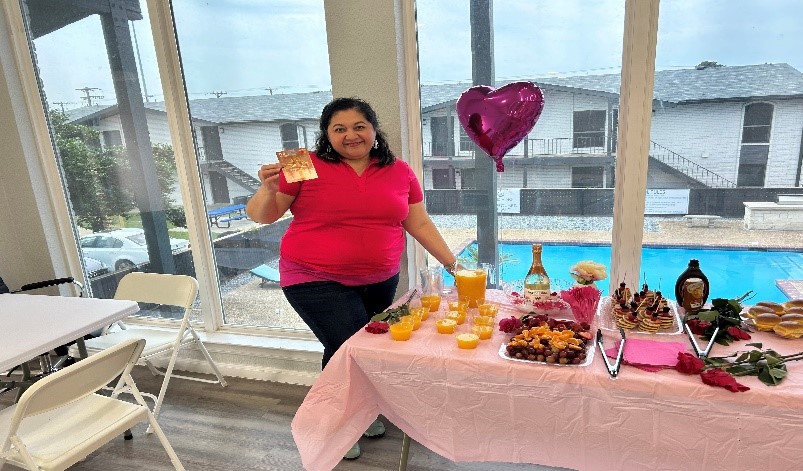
[473, 405]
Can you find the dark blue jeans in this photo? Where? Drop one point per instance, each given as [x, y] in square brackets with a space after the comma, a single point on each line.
[335, 312]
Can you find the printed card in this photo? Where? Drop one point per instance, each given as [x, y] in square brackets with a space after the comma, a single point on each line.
[297, 165]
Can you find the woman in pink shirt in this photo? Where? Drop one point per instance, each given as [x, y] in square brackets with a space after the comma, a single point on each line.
[339, 259]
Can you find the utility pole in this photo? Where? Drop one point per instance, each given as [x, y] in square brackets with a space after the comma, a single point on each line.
[88, 97]
[62, 103]
[217, 94]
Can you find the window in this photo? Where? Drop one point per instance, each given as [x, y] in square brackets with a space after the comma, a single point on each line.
[589, 129]
[112, 138]
[133, 179]
[757, 123]
[443, 178]
[466, 144]
[289, 132]
[587, 177]
[755, 144]
[442, 135]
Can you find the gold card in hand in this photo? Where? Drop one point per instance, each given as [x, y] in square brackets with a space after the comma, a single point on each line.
[296, 165]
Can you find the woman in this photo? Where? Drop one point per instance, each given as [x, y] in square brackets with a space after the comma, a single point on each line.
[340, 257]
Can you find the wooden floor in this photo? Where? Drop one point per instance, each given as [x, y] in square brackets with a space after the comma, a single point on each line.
[245, 426]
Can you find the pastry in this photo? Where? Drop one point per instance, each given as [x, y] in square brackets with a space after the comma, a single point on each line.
[789, 329]
[766, 321]
[794, 310]
[798, 318]
[793, 303]
[756, 310]
[650, 324]
[772, 305]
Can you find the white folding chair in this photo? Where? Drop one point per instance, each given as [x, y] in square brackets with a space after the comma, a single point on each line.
[168, 290]
[61, 419]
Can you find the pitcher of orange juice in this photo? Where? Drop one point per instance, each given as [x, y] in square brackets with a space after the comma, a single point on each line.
[471, 279]
[431, 287]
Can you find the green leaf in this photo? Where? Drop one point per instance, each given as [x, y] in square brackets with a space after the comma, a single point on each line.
[767, 378]
[744, 356]
[755, 356]
[778, 373]
[741, 370]
[772, 360]
[709, 316]
[757, 345]
[380, 317]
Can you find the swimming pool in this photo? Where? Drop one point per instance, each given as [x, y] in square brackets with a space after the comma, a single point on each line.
[730, 272]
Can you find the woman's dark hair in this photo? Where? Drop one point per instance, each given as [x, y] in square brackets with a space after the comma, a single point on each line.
[324, 148]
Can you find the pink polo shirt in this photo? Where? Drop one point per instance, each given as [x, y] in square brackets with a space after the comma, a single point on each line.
[347, 228]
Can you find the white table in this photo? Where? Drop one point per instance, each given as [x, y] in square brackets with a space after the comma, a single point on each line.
[34, 324]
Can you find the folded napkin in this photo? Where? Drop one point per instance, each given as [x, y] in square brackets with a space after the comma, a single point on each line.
[649, 355]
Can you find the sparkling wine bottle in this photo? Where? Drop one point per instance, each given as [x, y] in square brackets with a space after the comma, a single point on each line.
[536, 283]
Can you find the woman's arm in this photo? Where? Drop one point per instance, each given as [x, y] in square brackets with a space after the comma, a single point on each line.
[421, 227]
[267, 205]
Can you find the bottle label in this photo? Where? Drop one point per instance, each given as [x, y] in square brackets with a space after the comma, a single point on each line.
[536, 293]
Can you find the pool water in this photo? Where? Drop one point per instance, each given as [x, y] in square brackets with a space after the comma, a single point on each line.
[730, 272]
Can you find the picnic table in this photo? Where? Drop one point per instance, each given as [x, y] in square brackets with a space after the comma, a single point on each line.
[226, 214]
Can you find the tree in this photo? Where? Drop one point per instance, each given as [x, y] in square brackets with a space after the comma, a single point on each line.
[98, 180]
[709, 65]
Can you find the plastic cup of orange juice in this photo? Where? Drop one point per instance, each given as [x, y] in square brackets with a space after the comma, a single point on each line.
[432, 301]
[467, 340]
[484, 332]
[421, 312]
[415, 318]
[401, 330]
[488, 309]
[446, 326]
[457, 316]
[484, 320]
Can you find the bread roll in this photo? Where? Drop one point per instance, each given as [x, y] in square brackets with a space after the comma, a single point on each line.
[772, 305]
[794, 310]
[797, 318]
[789, 329]
[766, 321]
[793, 303]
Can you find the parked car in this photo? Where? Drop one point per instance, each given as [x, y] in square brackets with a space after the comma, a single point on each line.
[123, 248]
[95, 267]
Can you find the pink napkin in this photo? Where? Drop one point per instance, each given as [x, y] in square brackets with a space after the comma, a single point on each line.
[649, 355]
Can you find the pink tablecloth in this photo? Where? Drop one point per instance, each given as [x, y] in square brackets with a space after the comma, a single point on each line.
[472, 405]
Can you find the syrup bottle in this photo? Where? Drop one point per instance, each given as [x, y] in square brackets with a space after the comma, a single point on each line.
[536, 283]
[693, 271]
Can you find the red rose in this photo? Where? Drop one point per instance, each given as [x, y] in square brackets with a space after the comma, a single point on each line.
[723, 379]
[377, 327]
[689, 364]
[698, 327]
[738, 333]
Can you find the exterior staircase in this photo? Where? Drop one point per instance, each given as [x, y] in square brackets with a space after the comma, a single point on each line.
[233, 173]
[688, 168]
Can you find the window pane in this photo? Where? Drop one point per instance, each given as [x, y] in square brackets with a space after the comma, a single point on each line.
[111, 134]
[721, 88]
[572, 50]
[257, 77]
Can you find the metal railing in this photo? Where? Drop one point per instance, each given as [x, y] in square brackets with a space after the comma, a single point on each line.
[688, 167]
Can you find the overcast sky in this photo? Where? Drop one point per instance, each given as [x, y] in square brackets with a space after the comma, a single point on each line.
[254, 47]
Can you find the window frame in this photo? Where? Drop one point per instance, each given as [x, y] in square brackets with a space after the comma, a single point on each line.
[638, 65]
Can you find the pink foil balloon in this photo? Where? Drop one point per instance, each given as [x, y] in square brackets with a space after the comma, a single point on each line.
[498, 119]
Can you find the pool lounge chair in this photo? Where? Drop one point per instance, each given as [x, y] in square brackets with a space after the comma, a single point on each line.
[266, 274]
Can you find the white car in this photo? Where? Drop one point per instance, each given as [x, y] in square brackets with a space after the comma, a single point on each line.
[123, 248]
[95, 267]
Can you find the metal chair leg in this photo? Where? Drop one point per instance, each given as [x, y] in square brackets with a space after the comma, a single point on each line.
[405, 451]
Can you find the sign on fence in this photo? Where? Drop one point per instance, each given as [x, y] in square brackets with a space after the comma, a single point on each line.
[667, 202]
[508, 200]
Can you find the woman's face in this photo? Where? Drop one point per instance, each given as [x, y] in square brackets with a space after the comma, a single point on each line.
[351, 134]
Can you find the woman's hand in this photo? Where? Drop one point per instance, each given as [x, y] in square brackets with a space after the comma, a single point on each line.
[269, 176]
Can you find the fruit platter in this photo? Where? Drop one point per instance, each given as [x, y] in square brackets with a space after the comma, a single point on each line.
[543, 339]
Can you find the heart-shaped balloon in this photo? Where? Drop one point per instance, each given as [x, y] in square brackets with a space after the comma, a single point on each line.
[498, 119]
